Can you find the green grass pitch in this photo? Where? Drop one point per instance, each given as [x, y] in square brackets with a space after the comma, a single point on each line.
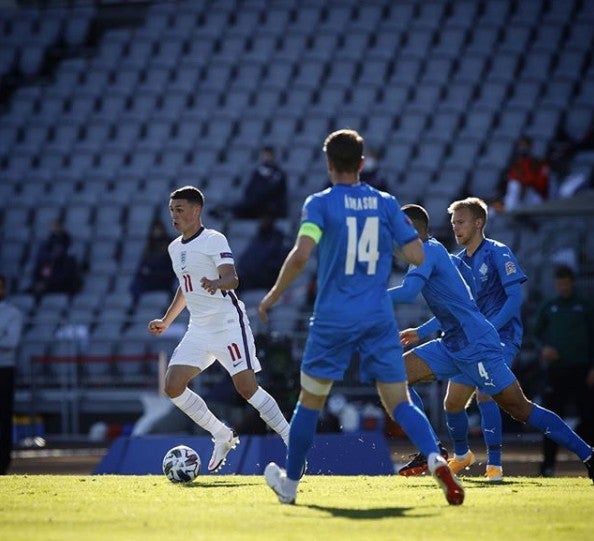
[229, 508]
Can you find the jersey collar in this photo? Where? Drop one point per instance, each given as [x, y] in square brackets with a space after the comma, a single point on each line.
[190, 239]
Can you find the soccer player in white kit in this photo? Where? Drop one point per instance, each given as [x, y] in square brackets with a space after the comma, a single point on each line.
[219, 329]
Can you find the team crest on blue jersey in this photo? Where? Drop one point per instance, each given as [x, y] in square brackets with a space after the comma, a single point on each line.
[483, 269]
[510, 267]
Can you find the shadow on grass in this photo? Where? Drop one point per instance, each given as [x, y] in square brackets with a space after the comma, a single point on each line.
[218, 484]
[365, 514]
[483, 483]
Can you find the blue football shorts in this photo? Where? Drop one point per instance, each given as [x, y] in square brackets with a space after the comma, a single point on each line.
[330, 347]
[481, 363]
[510, 351]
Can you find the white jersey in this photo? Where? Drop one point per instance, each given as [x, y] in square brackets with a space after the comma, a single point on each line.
[197, 257]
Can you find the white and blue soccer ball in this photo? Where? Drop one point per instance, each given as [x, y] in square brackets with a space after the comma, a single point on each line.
[181, 464]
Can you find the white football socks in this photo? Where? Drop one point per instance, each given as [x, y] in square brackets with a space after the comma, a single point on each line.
[270, 413]
[197, 410]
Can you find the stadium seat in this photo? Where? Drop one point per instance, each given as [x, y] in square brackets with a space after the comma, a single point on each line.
[451, 40]
[503, 68]
[437, 71]
[484, 182]
[515, 39]
[544, 123]
[569, 64]
[309, 74]
[548, 37]
[511, 123]
[498, 152]
[410, 126]
[483, 38]
[384, 44]
[444, 126]
[525, 94]
[429, 156]
[536, 65]
[462, 154]
[477, 123]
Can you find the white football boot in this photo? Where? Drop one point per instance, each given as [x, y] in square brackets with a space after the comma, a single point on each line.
[221, 450]
[276, 479]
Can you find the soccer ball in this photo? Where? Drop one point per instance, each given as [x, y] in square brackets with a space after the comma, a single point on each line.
[181, 464]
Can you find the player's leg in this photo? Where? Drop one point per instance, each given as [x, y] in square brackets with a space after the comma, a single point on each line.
[304, 421]
[492, 428]
[513, 400]
[247, 386]
[458, 395]
[394, 397]
[176, 387]
[491, 422]
[189, 359]
[418, 463]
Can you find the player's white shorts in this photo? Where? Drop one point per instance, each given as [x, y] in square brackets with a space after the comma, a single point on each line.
[233, 347]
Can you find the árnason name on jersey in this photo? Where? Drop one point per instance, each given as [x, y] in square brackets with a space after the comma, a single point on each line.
[360, 203]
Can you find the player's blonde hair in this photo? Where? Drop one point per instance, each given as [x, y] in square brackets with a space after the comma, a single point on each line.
[475, 205]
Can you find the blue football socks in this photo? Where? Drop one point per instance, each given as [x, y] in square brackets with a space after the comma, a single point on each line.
[416, 426]
[552, 426]
[492, 430]
[457, 424]
[418, 401]
[301, 435]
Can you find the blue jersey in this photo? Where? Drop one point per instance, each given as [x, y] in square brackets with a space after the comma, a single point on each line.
[361, 227]
[450, 298]
[494, 267]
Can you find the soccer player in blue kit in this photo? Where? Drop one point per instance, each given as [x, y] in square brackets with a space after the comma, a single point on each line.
[356, 229]
[496, 280]
[470, 345]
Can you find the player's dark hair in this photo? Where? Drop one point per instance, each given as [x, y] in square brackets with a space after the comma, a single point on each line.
[564, 271]
[417, 214]
[190, 193]
[344, 149]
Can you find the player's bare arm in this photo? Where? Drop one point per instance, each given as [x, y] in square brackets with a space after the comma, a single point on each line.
[292, 267]
[227, 280]
[409, 337]
[159, 326]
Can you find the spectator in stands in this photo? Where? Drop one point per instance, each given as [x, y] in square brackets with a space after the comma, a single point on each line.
[56, 270]
[266, 191]
[260, 262]
[11, 324]
[564, 331]
[154, 271]
[526, 179]
[372, 172]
